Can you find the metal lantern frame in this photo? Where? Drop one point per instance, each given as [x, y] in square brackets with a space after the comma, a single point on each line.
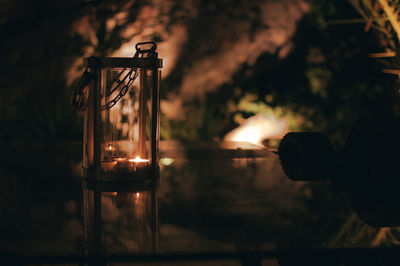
[93, 135]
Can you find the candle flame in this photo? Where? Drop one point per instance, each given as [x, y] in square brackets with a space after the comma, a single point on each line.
[138, 160]
[109, 148]
[137, 194]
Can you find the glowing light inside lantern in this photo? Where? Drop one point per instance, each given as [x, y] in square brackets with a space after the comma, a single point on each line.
[138, 160]
[109, 148]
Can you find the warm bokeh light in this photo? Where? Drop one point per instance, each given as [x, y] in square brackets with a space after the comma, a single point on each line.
[166, 161]
[258, 128]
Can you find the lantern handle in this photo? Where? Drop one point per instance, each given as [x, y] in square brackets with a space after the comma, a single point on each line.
[122, 85]
[151, 49]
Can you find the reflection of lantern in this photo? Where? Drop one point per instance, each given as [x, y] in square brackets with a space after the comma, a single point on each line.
[120, 218]
[120, 97]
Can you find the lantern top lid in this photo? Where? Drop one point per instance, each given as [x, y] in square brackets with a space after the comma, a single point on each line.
[123, 62]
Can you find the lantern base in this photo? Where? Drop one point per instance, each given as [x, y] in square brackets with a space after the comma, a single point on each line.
[136, 175]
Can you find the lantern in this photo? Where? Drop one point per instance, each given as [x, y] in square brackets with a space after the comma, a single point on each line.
[120, 99]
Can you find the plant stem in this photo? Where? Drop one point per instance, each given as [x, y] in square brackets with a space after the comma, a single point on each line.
[391, 16]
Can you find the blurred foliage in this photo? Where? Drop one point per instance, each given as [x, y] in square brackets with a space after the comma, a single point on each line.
[327, 78]
[356, 233]
[250, 104]
[203, 123]
[37, 49]
[382, 17]
[210, 24]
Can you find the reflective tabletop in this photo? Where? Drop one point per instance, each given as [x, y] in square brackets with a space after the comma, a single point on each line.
[210, 198]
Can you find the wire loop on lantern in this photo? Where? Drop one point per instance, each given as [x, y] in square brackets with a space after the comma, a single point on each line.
[150, 51]
[78, 99]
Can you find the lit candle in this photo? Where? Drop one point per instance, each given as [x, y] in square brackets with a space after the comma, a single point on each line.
[138, 162]
[110, 148]
[109, 151]
[108, 166]
[123, 164]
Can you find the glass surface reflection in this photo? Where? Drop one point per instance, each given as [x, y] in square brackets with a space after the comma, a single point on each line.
[120, 218]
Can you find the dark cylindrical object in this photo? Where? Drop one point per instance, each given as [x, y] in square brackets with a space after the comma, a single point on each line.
[371, 170]
[369, 166]
[307, 156]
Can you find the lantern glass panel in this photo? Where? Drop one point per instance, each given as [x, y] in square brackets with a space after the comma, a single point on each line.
[127, 125]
